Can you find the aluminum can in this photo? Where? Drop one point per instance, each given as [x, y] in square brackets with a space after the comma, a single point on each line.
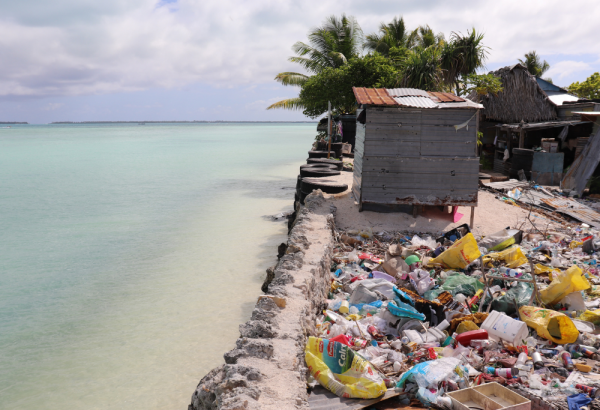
[538, 363]
[590, 391]
[565, 357]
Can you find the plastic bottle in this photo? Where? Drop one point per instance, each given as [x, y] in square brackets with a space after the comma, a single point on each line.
[513, 273]
[522, 359]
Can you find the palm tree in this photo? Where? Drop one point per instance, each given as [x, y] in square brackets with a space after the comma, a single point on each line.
[424, 37]
[421, 69]
[330, 46]
[391, 35]
[534, 64]
[461, 56]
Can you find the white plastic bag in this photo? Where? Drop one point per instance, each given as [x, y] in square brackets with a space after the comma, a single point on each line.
[417, 242]
[421, 281]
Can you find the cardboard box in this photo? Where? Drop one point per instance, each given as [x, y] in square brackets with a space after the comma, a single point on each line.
[489, 396]
[550, 146]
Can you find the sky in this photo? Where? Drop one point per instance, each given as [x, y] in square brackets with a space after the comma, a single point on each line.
[120, 60]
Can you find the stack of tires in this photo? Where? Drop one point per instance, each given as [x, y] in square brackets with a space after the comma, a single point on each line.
[522, 159]
[316, 174]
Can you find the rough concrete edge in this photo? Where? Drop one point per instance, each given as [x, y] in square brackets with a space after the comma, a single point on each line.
[239, 383]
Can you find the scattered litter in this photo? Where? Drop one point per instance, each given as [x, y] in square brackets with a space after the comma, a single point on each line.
[463, 322]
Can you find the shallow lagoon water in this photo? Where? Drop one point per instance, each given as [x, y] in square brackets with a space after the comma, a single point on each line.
[130, 254]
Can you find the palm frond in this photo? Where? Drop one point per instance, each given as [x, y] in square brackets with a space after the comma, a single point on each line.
[289, 78]
[289, 104]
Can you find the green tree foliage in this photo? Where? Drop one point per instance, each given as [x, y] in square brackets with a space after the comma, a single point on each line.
[421, 69]
[462, 56]
[424, 37]
[590, 88]
[331, 45]
[534, 64]
[483, 84]
[419, 58]
[335, 84]
[393, 35]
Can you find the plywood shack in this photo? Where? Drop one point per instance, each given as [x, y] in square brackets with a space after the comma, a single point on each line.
[414, 148]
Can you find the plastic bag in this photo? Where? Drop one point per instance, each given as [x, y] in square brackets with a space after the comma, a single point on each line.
[564, 283]
[497, 241]
[427, 241]
[431, 373]
[592, 316]
[574, 301]
[520, 293]
[455, 284]
[341, 371]
[549, 324]
[400, 309]
[421, 281]
[513, 257]
[460, 255]
[539, 269]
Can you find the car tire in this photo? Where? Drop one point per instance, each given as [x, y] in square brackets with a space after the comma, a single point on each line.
[318, 172]
[328, 186]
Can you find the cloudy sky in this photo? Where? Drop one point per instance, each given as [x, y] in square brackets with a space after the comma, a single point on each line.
[80, 60]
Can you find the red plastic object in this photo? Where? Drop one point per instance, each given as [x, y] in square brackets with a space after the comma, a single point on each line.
[341, 338]
[465, 338]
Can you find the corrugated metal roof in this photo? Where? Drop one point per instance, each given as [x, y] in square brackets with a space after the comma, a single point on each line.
[407, 92]
[420, 102]
[559, 99]
[410, 97]
[456, 104]
[322, 399]
[446, 97]
[373, 96]
[508, 185]
[574, 209]
[584, 165]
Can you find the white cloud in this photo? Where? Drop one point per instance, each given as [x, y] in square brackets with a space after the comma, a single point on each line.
[75, 47]
[564, 69]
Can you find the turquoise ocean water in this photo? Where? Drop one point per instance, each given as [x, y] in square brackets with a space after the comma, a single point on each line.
[130, 254]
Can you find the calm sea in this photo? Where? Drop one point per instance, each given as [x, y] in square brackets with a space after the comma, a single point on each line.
[130, 254]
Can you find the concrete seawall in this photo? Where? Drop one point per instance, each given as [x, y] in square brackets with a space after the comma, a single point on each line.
[266, 370]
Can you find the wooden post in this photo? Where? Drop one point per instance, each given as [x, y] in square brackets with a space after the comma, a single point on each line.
[329, 128]
[521, 138]
[472, 217]
[477, 134]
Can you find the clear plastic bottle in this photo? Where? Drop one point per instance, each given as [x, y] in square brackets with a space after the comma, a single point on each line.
[522, 359]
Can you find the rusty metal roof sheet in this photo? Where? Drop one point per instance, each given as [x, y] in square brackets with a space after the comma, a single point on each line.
[410, 97]
[322, 399]
[446, 97]
[373, 96]
[407, 92]
[420, 102]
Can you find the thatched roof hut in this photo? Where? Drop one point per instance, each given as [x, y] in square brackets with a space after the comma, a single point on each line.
[522, 99]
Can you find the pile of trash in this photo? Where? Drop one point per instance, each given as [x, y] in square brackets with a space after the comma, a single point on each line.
[425, 317]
